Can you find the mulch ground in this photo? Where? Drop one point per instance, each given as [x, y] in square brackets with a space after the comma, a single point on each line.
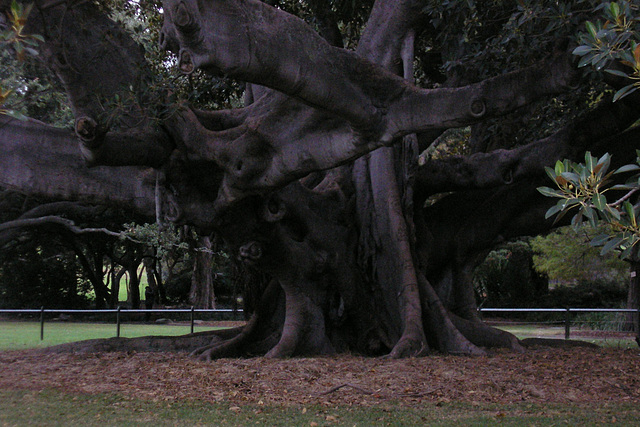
[541, 375]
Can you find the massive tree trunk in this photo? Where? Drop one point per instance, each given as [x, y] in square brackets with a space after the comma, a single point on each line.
[315, 183]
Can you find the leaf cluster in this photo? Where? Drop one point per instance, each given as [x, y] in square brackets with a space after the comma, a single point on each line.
[14, 40]
[585, 187]
[614, 40]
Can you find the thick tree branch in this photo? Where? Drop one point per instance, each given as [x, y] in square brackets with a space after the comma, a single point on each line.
[506, 166]
[251, 41]
[106, 78]
[43, 160]
[386, 31]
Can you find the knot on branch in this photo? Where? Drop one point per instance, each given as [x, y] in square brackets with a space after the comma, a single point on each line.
[60, 60]
[274, 209]
[171, 209]
[251, 251]
[86, 129]
[184, 19]
[507, 176]
[478, 108]
[186, 64]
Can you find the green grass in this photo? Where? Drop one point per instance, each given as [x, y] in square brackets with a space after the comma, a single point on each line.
[536, 331]
[23, 335]
[52, 408]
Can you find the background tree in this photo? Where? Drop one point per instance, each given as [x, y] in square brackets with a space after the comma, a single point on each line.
[566, 255]
[315, 183]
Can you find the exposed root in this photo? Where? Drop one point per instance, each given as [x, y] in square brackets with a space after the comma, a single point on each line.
[484, 335]
[408, 347]
[179, 344]
[303, 332]
[251, 339]
[231, 347]
[449, 338]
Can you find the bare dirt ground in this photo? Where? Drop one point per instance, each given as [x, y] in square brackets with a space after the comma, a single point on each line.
[541, 375]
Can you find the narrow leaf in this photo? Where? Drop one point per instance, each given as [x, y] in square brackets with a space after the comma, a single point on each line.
[582, 50]
[549, 192]
[617, 73]
[552, 211]
[628, 208]
[624, 92]
[589, 161]
[592, 29]
[600, 240]
[627, 168]
[613, 212]
[550, 173]
[611, 245]
[599, 201]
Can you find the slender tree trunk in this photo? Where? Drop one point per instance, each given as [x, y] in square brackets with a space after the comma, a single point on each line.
[134, 286]
[202, 293]
[633, 297]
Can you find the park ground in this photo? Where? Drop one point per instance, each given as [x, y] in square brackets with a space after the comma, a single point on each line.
[588, 386]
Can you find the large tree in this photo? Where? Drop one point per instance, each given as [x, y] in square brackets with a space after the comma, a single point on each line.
[350, 241]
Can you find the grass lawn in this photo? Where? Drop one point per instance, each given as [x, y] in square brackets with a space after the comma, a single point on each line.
[536, 331]
[49, 407]
[23, 335]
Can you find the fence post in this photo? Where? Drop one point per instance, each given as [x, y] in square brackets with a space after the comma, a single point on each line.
[567, 324]
[192, 319]
[42, 323]
[118, 322]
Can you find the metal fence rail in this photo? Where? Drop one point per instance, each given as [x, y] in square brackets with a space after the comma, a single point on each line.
[192, 312]
[567, 311]
[118, 312]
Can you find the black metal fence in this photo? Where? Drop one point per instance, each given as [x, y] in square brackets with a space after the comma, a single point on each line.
[119, 312]
[567, 313]
[238, 314]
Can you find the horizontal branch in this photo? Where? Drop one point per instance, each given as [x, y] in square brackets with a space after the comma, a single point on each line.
[44, 161]
[598, 131]
[55, 220]
[253, 42]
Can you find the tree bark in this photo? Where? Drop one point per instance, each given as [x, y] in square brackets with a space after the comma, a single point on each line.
[202, 293]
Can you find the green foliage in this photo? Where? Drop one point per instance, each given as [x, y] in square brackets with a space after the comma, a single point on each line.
[565, 255]
[584, 187]
[506, 278]
[163, 237]
[476, 40]
[40, 96]
[14, 43]
[601, 293]
[617, 39]
[34, 275]
[14, 38]
[602, 321]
